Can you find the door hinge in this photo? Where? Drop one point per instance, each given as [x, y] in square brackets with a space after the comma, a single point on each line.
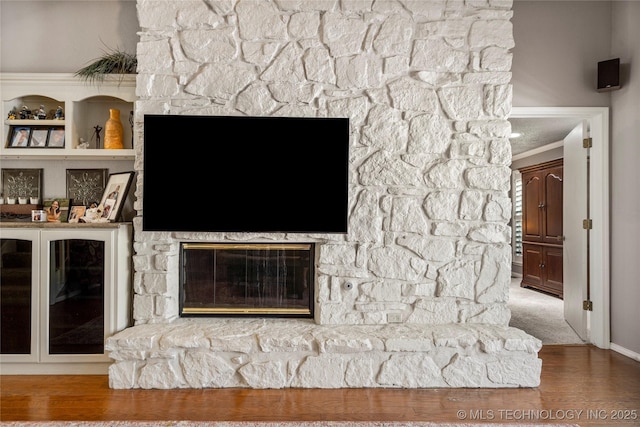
[587, 305]
[587, 143]
[587, 224]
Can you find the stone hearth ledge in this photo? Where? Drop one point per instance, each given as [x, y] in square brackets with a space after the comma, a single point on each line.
[297, 353]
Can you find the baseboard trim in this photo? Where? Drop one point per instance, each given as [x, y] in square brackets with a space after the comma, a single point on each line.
[625, 352]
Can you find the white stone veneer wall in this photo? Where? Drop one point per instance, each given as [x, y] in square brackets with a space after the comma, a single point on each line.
[426, 86]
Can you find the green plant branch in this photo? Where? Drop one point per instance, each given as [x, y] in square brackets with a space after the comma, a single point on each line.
[113, 61]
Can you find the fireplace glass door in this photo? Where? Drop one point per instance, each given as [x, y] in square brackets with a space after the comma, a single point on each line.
[246, 280]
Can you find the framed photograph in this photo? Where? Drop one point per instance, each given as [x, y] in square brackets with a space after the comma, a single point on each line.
[115, 193]
[22, 183]
[19, 136]
[39, 138]
[38, 215]
[86, 186]
[57, 209]
[56, 138]
[76, 213]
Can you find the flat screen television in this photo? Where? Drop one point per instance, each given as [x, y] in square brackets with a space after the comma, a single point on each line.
[245, 174]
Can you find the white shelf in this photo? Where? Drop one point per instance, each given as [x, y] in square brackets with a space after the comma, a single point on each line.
[32, 122]
[63, 86]
[85, 106]
[65, 154]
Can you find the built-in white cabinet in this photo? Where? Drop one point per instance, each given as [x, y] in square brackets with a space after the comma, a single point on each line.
[64, 289]
[84, 106]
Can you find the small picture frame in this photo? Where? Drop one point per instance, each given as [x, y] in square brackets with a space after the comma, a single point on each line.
[39, 138]
[38, 215]
[56, 138]
[76, 213]
[115, 193]
[19, 136]
[57, 209]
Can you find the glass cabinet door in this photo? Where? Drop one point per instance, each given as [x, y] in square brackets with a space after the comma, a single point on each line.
[77, 271]
[19, 277]
[15, 297]
[76, 296]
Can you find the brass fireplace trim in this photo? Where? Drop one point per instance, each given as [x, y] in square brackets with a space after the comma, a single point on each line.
[259, 246]
[221, 310]
[204, 310]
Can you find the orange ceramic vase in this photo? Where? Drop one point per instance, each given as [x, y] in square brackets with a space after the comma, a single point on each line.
[113, 131]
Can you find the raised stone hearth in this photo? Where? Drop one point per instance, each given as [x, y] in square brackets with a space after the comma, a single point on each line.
[415, 293]
[262, 353]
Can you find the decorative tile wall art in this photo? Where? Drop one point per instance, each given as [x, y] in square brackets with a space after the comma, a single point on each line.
[85, 186]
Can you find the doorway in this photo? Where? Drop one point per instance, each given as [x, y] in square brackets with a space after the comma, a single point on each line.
[597, 124]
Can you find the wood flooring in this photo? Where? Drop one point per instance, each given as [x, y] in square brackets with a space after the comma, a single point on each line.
[580, 384]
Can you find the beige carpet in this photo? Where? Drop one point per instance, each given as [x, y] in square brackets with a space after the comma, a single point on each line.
[540, 315]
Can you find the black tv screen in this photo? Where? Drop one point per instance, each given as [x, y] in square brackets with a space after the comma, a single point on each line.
[245, 174]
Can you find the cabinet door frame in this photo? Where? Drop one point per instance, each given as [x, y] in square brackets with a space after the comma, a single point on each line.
[32, 236]
[553, 175]
[48, 236]
[551, 282]
[533, 277]
[531, 180]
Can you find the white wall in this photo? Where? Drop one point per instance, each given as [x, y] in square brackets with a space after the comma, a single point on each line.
[63, 36]
[558, 46]
[625, 179]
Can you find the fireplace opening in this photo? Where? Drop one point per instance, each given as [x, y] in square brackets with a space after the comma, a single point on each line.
[255, 279]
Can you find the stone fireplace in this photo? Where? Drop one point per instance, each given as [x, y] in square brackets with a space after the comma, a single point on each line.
[415, 293]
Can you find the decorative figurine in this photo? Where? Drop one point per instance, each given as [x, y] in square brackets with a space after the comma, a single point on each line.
[94, 214]
[41, 114]
[13, 114]
[59, 115]
[131, 124]
[83, 144]
[25, 113]
[98, 129]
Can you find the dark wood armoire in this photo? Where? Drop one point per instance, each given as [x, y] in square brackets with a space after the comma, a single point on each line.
[542, 227]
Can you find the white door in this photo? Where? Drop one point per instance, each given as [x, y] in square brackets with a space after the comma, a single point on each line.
[575, 201]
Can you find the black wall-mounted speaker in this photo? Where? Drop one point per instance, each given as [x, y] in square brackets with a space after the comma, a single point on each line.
[609, 75]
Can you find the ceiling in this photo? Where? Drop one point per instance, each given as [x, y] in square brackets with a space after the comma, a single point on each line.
[539, 131]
